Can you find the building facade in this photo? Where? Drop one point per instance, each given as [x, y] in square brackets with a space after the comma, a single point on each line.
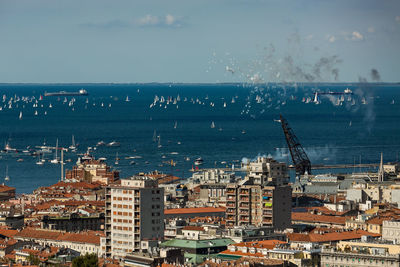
[134, 216]
[258, 205]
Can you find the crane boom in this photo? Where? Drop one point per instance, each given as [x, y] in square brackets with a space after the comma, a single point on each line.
[299, 156]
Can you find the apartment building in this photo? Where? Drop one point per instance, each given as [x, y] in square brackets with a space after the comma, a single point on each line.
[134, 215]
[263, 199]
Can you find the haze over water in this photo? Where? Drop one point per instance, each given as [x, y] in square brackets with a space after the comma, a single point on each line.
[331, 132]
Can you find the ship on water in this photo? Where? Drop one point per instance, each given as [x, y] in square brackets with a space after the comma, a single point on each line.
[65, 93]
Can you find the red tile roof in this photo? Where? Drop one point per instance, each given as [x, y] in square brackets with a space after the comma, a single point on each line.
[5, 188]
[86, 237]
[193, 228]
[329, 237]
[314, 218]
[7, 232]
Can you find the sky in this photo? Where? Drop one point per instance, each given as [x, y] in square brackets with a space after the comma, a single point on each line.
[196, 41]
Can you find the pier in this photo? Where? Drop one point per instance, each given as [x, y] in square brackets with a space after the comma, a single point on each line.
[314, 167]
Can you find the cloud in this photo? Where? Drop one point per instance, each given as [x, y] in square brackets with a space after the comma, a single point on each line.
[356, 36]
[149, 20]
[309, 37]
[111, 24]
[371, 29]
[397, 18]
[331, 38]
[169, 19]
[160, 21]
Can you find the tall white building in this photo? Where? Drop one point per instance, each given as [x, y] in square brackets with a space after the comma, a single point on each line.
[265, 170]
[134, 216]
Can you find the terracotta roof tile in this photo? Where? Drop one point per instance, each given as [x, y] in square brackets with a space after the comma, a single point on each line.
[308, 217]
[328, 237]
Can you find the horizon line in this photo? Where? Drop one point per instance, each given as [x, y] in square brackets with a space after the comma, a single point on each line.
[191, 83]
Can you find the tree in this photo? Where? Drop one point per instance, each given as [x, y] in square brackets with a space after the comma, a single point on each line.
[89, 260]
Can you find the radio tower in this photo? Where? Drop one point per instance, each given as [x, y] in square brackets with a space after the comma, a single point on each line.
[299, 156]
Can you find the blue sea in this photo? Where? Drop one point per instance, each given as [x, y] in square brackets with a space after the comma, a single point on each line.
[333, 129]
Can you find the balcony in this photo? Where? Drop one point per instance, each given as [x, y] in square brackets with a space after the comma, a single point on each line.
[230, 191]
[267, 213]
[267, 221]
[231, 205]
[231, 198]
[244, 218]
[244, 192]
[231, 211]
[244, 199]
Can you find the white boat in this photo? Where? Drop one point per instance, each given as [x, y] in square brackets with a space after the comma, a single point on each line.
[55, 160]
[392, 103]
[114, 144]
[36, 113]
[7, 178]
[20, 115]
[348, 91]
[198, 161]
[363, 101]
[39, 162]
[100, 143]
[72, 147]
[212, 125]
[159, 141]
[127, 99]
[175, 125]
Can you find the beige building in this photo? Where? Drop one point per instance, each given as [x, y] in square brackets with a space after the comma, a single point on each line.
[266, 170]
[263, 199]
[391, 231]
[134, 215]
[84, 243]
[258, 205]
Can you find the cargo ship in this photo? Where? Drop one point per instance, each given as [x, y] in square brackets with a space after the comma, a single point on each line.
[65, 93]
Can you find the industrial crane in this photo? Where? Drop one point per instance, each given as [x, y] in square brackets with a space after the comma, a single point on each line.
[299, 156]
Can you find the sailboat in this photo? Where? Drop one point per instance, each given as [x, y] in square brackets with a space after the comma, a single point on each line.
[20, 115]
[55, 160]
[7, 178]
[155, 136]
[39, 162]
[159, 141]
[72, 146]
[127, 99]
[116, 159]
[176, 124]
[212, 125]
